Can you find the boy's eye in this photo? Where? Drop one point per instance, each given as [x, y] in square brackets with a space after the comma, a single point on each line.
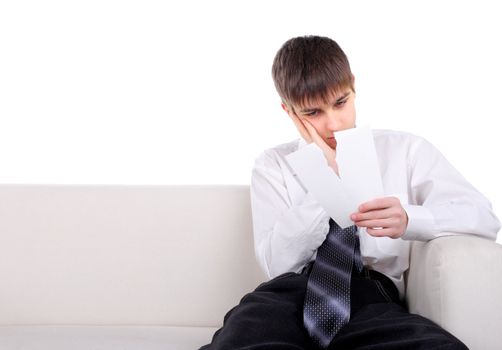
[341, 103]
[311, 114]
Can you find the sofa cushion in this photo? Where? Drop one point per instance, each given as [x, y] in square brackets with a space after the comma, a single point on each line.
[121, 255]
[103, 337]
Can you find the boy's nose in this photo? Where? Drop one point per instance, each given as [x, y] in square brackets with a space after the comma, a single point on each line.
[333, 123]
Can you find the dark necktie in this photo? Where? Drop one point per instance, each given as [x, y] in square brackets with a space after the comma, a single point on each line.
[327, 299]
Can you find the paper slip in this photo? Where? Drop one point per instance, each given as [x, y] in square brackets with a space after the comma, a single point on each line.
[359, 181]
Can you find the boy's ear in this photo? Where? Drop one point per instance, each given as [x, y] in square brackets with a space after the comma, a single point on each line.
[286, 108]
[283, 105]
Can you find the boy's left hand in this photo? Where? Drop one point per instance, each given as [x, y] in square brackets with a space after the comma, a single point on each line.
[382, 217]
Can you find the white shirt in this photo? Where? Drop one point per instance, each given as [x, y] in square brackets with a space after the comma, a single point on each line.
[289, 224]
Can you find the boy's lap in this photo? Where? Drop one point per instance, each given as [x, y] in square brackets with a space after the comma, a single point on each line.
[268, 317]
[272, 317]
[392, 325]
[280, 299]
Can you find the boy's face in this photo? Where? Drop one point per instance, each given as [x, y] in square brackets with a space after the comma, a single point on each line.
[327, 118]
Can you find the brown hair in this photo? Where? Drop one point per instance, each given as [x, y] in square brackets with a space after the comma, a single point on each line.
[310, 68]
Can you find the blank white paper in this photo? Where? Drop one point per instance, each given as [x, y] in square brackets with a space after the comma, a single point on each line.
[359, 181]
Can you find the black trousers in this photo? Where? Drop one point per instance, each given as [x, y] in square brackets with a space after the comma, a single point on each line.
[271, 317]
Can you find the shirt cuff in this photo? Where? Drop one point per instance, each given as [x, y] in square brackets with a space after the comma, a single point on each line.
[421, 224]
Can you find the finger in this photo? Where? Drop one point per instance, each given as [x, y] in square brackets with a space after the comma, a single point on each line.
[385, 223]
[374, 214]
[379, 203]
[385, 232]
[319, 141]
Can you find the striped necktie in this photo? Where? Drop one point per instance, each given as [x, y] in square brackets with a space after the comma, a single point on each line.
[327, 299]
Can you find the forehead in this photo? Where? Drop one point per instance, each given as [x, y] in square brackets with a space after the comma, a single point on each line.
[326, 98]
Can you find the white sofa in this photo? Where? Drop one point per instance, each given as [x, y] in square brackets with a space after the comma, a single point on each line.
[157, 267]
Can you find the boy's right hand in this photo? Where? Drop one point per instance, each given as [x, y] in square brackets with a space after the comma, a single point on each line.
[305, 134]
[309, 134]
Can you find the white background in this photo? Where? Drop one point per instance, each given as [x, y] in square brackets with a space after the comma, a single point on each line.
[158, 92]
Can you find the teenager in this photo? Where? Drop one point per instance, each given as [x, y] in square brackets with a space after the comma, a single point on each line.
[425, 198]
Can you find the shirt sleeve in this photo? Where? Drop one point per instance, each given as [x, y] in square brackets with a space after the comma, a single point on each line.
[444, 202]
[286, 234]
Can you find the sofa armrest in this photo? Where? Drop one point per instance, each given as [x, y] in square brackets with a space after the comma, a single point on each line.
[455, 281]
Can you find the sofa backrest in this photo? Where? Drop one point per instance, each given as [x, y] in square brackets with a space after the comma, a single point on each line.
[142, 255]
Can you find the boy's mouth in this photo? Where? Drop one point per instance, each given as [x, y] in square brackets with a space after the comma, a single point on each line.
[332, 142]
